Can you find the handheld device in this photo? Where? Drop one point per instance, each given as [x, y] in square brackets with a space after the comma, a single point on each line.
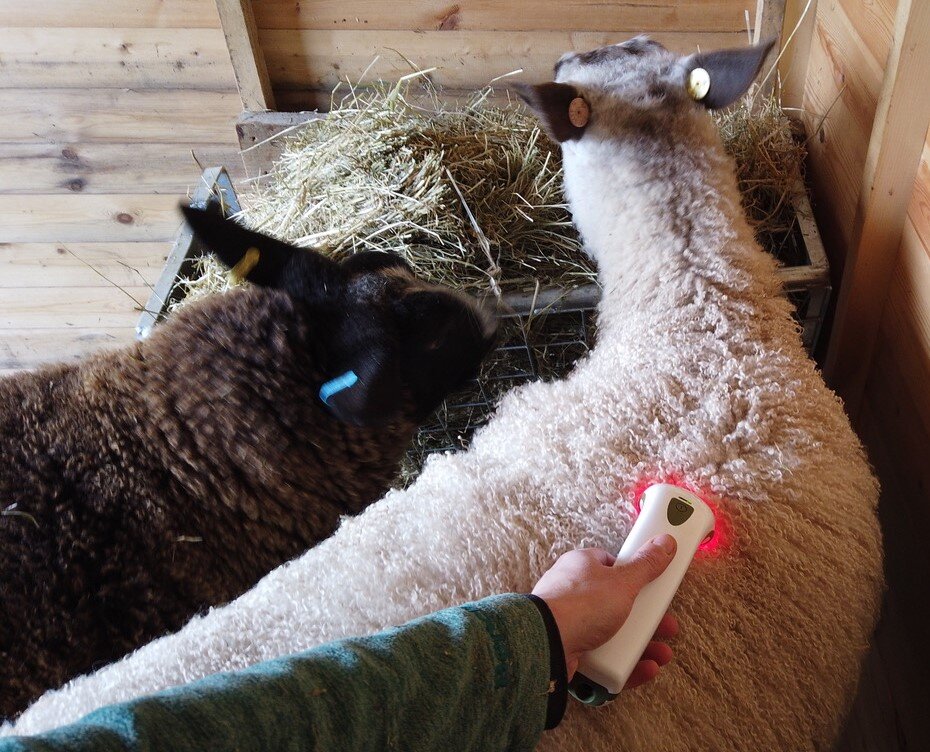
[664, 508]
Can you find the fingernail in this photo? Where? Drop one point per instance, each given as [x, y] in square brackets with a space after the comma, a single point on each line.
[666, 542]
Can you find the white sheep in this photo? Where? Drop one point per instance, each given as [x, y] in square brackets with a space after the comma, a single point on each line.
[698, 376]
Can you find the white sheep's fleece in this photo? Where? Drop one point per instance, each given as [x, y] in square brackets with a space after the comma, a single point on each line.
[698, 375]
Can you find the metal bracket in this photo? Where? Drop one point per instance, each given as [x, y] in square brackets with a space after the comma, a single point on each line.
[214, 187]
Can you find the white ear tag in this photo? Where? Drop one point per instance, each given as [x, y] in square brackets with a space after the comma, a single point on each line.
[698, 83]
[578, 112]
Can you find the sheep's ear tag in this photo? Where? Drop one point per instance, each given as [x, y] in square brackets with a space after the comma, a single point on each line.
[336, 385]
[244, 265]
[698, 83]
[578, 112]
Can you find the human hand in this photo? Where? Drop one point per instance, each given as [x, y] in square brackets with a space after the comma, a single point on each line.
[590, 599]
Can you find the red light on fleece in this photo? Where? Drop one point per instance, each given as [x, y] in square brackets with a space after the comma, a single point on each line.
[720, 538]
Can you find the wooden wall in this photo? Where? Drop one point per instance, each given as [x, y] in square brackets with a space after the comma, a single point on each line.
[102, 102]
[309, 46]
[849, 46]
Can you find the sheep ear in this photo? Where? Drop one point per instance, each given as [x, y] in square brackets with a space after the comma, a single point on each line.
[561, 109]
[258, 258]
[365, 388]
[729, 73]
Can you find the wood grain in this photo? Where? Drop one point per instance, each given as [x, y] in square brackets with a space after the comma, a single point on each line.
[919, 210]
[799, 21]
[71, 265]
[113, 168]
[841, 94]
[97, 218]
[905, 324]
[114, 57]
[873, 22]
[895, 147]
[26, 349]
[492, 15]
[248, 61]
[308, 59]
[88, 307]
[117, 115]
[110, 13]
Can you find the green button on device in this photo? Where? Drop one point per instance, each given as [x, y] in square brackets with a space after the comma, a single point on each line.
[679, 510]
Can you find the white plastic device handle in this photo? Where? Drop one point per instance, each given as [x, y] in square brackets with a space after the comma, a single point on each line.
[665, 508]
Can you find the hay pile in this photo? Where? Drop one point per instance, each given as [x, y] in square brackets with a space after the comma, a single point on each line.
[471, 196]
[769, 150]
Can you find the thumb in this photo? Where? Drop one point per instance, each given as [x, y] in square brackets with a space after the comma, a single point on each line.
[649, 562]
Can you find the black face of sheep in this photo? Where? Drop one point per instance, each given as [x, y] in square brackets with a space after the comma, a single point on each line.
[394, 341]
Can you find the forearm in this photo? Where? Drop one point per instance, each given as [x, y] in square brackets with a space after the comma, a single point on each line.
[472, 677]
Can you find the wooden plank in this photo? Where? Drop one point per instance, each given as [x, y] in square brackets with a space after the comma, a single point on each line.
[122, 57]
[492, 15]
[841, 94]
[839, 101]
[26, 349]
[897, 445]
[895, 147]
[258, 140]
[905, 325]
[76, 218]
[900, 460]
[919, 210]
[80, 264]
[873, 22]
[799, 22]
[319, 100]
[84, 308]
[96, 13]
[113, 168]
[852, 67]
[120, 115]
[310, 59]
[246, 55]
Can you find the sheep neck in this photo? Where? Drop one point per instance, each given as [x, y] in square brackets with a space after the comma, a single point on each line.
[664, 222]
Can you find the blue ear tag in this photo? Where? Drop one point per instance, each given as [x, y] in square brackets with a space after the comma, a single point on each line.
[336, 385]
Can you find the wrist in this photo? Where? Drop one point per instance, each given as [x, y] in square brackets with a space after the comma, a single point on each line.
[558, 669]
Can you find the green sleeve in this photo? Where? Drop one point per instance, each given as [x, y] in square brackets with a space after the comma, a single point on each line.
[475, 677]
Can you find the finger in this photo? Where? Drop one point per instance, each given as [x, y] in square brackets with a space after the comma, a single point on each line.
[667, 629]
[648, 563]
[658, 652]
[600, 555]
[645, 671]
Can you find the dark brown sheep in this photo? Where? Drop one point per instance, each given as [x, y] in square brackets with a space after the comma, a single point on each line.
[144, 485]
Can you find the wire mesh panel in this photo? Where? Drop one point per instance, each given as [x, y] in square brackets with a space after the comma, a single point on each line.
[541, 335]
[548, 331]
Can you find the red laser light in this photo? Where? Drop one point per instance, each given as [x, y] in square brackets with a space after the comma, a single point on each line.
[719, 539]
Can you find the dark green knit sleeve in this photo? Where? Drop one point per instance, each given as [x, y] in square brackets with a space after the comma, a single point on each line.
[475, 677]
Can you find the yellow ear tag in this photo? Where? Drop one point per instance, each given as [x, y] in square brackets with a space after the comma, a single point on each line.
[578, 112]
[698, 83]
[246, 264]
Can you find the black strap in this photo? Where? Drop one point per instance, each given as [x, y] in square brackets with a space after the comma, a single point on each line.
[558, 675]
